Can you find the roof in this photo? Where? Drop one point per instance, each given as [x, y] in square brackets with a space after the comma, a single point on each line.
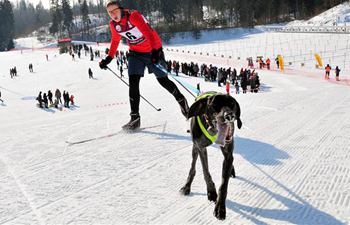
[63, 40]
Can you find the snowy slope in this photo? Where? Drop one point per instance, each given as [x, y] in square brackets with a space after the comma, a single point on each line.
[338, 15]
[291, 155]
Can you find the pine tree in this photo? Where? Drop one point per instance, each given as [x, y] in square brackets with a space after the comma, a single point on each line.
[56, 15]
[7, 27]
[84, 10]
[67, 16]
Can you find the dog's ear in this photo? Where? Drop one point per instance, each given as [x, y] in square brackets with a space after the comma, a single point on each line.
[238, 115]
[199, 107]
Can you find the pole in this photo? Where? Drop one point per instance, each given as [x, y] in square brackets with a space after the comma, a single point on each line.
[158, 109]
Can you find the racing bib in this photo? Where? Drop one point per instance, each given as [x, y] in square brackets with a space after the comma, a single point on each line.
[131, 33]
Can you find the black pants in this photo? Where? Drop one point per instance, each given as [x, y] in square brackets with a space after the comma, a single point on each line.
[134, 91]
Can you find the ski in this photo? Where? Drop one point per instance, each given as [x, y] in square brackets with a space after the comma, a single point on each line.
[70, 143]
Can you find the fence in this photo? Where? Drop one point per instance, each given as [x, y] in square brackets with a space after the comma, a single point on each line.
[308, 29]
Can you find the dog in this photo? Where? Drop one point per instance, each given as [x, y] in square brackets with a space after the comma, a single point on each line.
[212, 120]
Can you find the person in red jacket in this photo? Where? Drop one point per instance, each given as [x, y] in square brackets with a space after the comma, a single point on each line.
[328, 69]
[145, 50]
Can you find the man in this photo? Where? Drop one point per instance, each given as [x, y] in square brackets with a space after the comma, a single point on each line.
[145, 50]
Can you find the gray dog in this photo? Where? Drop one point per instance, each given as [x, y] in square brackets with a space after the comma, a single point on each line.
[213, 115]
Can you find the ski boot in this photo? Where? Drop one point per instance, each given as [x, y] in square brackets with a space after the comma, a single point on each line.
[133, 124]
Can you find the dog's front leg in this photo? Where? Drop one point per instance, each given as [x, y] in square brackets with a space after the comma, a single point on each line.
[220, 207]
[186, 189]
[211, 190]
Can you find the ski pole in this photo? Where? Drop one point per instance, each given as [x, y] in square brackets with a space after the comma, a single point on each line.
[158, 109]
[164, 70]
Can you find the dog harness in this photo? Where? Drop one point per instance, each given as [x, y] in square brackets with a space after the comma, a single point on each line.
[210, 137]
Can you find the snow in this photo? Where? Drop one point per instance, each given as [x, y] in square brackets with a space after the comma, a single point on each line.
[338, 15]
[291, 156]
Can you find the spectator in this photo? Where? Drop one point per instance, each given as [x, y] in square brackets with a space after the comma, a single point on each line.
[90, 74]
[40, 100]
[237, 87]
[45, 100]
[58, 96]
[49, 95]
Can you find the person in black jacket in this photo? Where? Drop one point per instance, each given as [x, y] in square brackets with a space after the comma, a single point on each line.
[90, 74]
[66, 99]
[337, 71]
[244, 83]
[50, 95]
[40, 100]
[46, 102]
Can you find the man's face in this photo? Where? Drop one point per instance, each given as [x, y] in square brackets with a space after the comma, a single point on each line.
[114, 12]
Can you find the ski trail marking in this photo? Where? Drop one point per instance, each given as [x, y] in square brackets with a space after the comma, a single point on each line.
[24, 192]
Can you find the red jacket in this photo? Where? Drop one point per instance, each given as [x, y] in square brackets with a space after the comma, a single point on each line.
[135, 28]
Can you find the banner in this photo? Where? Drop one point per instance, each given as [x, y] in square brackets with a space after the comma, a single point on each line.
[319, 60]
[281, 62]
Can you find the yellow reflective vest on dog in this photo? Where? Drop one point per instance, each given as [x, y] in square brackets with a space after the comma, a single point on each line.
[212, 138]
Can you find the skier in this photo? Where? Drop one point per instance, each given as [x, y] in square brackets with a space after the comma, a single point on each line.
[328, 70]
[145, 51]
[337, 71]
[268, 62]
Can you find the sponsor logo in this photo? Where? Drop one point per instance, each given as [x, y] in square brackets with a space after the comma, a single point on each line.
[118, 28]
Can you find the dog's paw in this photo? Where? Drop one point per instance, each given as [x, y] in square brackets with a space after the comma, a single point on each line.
[233, 172]
[220, 211]
[212, 196]
[185, 190]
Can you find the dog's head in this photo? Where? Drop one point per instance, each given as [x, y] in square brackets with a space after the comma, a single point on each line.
[220, 109]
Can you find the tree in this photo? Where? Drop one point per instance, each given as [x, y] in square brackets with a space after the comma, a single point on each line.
[56, 16]
[7, 27]
[67, 16]
[84, 10]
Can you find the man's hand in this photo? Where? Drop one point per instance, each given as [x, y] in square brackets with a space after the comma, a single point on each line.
[105, 62]
[157, 55]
